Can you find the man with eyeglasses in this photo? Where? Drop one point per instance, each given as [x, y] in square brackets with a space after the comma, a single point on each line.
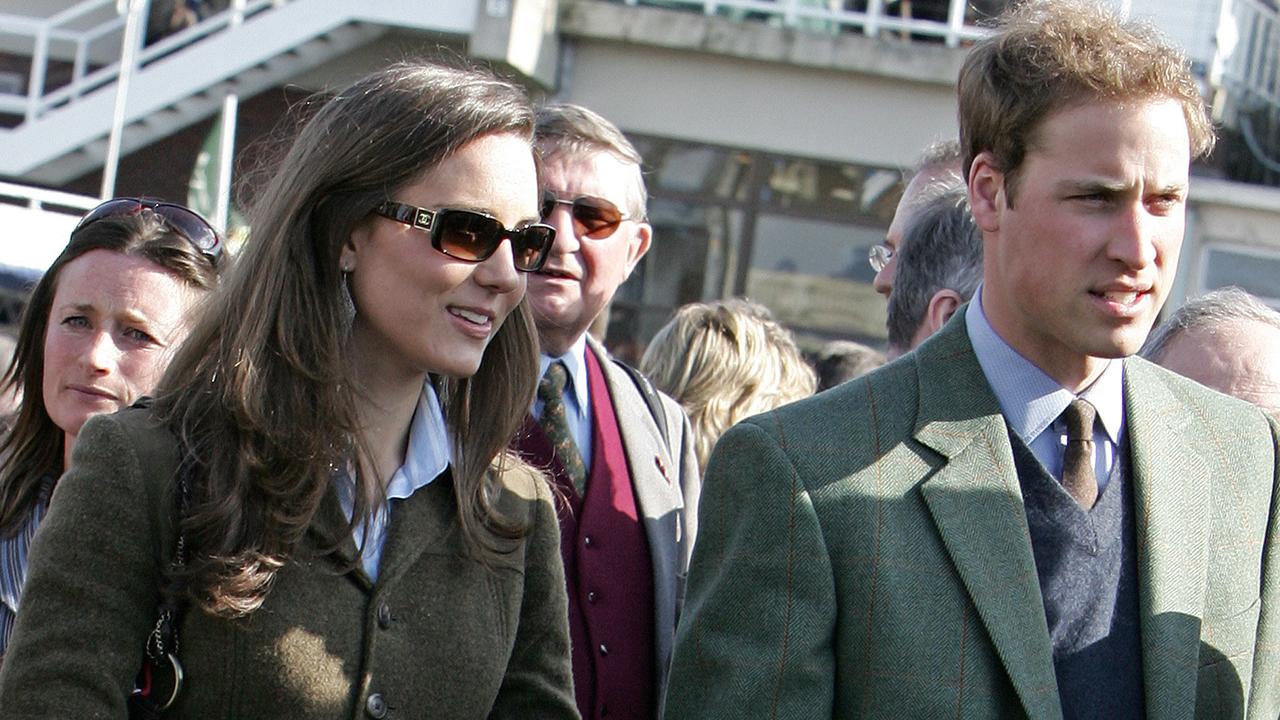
[1018, 519]
[620, 453]
[940, 164]
[939, 267]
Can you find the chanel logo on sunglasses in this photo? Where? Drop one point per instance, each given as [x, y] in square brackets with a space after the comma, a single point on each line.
[472, 236]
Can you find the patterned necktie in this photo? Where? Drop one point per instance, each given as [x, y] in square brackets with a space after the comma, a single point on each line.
[555, 424]
[1077, 461]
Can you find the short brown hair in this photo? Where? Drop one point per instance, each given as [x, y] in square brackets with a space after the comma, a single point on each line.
[564, 129]
[1049, 54]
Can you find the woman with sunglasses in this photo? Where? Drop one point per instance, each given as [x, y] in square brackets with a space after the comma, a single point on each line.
[97, 331]
[354, 541]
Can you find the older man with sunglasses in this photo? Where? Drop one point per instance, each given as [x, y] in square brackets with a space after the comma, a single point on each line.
[620, 453]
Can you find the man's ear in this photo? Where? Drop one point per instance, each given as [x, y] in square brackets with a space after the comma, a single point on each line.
[638, 245]
[986, 191]
[942, 306]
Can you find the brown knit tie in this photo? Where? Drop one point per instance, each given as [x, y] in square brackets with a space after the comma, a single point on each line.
[1077, 462]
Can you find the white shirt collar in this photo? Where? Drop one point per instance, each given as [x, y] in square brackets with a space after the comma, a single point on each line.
[430, 448]
[429, 452]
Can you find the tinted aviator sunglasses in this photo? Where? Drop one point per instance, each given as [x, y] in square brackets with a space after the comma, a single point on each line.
[472, 236]
[185, 221]
[593, 217]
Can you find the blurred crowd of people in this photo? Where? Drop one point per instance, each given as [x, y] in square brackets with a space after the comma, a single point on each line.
[377, 464]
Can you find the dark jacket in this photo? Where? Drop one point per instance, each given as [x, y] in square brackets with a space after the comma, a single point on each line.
[438, 635]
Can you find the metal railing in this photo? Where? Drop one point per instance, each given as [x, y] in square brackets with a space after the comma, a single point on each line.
[89, 29]
[39, 220]
[36, 198]
[874, 18]
[1244, 76]
[1248, 55]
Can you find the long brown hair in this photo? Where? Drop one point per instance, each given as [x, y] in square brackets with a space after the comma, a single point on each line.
[33, 448]
[262, 393]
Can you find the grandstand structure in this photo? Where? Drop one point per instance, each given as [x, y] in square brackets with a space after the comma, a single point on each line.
[773, 130]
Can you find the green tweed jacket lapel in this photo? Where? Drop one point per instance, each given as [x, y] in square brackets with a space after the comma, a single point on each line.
[420, 521]
[331, 522]
[419, 524]
[1170, 487]
[976, 504]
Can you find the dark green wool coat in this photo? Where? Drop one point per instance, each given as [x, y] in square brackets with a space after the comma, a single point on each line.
[439, 634]
[865, 553]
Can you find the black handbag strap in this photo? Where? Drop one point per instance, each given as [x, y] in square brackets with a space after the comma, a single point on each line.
[163, 640]
[149, 701]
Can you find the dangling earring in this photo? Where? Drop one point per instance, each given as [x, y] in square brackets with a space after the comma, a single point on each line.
[349, 305]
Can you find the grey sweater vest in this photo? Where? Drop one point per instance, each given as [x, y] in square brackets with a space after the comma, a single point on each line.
[1088, 579]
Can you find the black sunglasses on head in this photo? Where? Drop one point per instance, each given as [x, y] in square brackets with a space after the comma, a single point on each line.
[593, 217]
[185, 221]
[472, 236]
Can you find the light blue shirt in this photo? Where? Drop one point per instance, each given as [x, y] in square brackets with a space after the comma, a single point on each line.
[429, 453]
[1032, 402]
[577, 401]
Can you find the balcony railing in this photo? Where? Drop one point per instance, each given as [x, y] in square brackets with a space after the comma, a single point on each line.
[38, 198]
[1248, 58]
[1245, 79]
[89, 35]
[38, 221]
[952, 22]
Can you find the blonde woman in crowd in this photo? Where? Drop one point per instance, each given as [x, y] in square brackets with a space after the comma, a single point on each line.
[97, 332]
[350, 537]
[726, 361]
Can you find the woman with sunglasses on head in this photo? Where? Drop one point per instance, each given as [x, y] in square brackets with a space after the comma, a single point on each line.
[353, 538]
[97, 332]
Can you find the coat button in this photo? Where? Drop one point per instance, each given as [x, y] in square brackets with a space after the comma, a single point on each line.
[587, 541]
[591, 596]
[375, 706]
[604, 649]
[384, 616]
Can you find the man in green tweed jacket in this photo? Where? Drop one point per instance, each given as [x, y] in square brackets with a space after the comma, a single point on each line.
[1017, 520]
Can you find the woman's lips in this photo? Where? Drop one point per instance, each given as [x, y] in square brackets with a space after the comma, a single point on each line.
[94, 392]
[476, 322]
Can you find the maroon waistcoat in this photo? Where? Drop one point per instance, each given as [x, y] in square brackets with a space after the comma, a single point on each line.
[607, 568]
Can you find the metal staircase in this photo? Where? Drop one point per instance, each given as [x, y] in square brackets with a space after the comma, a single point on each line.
[183, 78]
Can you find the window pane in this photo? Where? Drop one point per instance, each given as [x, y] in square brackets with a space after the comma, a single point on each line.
[1255, 273]
[684, 264]
[814, 276]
